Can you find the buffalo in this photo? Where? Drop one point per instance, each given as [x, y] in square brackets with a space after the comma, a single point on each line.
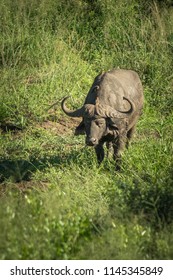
[110, 112]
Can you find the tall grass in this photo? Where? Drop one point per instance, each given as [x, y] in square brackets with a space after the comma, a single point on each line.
[56, 203]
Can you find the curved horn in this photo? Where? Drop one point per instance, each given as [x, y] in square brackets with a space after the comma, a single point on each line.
[70, 113]
[132, 107]
[107, 111]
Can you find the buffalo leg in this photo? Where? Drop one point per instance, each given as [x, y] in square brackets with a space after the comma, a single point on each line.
[117, 154]
[118, 147]
[99, 152]
[109, 148]
[129, 135]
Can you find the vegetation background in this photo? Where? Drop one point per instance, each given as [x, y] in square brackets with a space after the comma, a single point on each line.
[55, 203]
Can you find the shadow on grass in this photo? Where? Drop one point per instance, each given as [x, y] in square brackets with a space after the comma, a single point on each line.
[21, 170]
[17, 170]
[6, 127]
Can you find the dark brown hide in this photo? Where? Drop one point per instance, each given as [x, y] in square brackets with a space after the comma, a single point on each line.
[111, 110]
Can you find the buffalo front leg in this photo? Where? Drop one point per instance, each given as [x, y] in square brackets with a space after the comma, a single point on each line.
[109, 148]
[99, 152]
[118, 147]
[130, 135]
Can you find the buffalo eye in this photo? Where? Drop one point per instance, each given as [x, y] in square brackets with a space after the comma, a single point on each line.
[99, 124]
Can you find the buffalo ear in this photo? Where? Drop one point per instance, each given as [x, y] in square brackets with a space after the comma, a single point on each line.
[112, 123]
[80, 129]
[112, 128]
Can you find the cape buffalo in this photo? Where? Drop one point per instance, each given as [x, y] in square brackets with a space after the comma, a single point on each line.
[110, 112]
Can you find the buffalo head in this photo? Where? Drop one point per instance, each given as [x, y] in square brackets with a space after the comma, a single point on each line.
[98, 119]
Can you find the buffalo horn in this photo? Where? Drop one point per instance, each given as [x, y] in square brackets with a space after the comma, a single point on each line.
[109, 112]
[77, 113]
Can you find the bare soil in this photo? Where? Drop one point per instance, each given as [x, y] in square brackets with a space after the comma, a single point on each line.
[61, 126]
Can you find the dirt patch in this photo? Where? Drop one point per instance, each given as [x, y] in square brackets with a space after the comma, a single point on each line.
[154, 134]
[58, 126]
[61, 126]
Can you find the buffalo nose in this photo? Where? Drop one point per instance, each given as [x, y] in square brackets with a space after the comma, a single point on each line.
[91, 141]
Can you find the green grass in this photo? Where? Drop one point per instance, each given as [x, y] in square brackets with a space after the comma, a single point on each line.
[56, 203]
